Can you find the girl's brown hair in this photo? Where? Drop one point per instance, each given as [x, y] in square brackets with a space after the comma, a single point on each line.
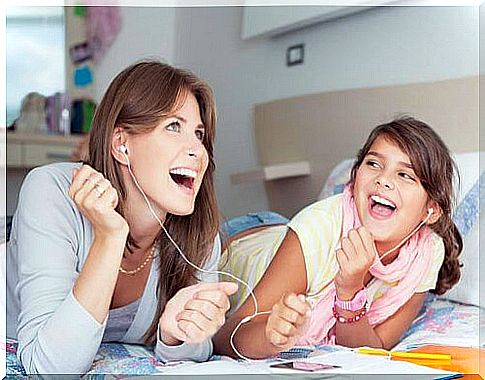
[136, 101]
[437, 173]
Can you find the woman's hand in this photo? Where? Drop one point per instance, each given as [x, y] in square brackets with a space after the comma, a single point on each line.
[97, 200]
[288, 321]
[355, 257]
[195, 313]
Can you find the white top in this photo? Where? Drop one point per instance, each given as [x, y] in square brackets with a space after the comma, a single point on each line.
[49, 244]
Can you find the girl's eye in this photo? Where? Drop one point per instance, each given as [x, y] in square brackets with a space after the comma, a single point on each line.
[174, 127]
[200, 133]
[407, 176]
[372, 163]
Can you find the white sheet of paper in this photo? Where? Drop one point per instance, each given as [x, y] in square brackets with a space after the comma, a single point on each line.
[218, 367]
[349, 361]
[354, 363]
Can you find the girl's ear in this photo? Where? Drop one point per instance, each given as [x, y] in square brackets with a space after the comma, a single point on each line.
[118, 140]
[437, 212]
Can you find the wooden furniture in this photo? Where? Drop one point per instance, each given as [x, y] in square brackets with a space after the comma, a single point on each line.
[30, 150]
[272, 172]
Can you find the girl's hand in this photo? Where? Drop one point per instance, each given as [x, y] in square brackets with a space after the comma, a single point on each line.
[97, 200]
[356, 256]
[288, 321]
[196, 312]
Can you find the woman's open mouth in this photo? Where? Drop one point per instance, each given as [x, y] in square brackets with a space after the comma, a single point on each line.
[184, 178]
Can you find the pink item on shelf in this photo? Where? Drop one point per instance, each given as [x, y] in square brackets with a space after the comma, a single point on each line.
[102, 26]
[409, 268]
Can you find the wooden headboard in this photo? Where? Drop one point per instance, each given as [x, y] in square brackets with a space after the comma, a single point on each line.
[326, 128]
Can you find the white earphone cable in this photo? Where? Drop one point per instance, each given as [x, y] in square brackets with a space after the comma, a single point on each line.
[245, 319]
[256, 313]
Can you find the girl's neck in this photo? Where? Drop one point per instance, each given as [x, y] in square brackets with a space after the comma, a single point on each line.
[383, 248]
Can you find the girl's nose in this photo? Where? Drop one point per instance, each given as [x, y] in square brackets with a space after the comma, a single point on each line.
[384, 182]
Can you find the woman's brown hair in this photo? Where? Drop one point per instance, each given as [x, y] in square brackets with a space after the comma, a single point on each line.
[437, 173]
[136, 101]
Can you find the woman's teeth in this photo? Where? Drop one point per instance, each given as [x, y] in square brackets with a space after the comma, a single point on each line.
[184, 172]
[183, 177]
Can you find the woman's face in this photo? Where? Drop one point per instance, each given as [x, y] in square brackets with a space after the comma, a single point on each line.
[170, 161]
[389, 196]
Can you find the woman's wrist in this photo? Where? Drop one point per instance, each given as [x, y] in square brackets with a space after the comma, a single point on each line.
[114, 237]
[115, 229]
[168, 339]
[111, 245]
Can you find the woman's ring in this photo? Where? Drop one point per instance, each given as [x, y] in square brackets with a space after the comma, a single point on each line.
[98, 189]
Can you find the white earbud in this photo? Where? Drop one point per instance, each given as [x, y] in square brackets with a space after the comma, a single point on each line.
[123, 149]
[430, 213]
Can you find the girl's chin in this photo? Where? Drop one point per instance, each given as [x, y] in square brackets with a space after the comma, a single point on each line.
[381, 238]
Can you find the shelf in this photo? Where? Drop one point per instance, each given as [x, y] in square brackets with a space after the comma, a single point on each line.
[272, 172]
[71, 140]
[31, 150]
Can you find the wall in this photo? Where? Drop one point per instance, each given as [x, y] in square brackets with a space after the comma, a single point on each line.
[450, 106]
[146, 32]
[382, 46]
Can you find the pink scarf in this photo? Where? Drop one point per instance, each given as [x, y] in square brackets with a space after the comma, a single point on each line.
[409, 268]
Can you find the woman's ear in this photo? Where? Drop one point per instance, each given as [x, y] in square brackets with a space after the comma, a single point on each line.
[117, 143]
[436, 212]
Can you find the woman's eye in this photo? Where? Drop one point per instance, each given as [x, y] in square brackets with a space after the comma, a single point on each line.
[200, 133]
[174, 127]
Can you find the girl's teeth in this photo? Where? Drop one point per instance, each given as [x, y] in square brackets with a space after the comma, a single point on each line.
[383, 201]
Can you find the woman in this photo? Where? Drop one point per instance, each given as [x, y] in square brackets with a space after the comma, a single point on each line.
[88, 258]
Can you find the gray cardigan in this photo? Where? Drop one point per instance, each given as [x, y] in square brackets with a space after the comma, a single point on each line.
[49, 244]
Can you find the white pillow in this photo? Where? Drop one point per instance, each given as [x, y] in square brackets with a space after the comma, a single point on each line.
[467, 289]
[469, 168]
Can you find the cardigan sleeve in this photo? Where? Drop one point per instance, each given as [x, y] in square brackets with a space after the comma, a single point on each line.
[55, 333]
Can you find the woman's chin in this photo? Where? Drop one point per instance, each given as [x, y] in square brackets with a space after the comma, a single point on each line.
[182, 210]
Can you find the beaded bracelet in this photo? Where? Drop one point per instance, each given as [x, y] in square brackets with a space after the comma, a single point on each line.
[353, 319]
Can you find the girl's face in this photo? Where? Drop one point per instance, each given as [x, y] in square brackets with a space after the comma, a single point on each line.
[389, 196]
[170, 161]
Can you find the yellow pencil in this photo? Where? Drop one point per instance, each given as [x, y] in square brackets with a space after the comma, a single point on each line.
[398, 354]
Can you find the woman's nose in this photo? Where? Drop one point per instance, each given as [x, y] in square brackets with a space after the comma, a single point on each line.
[195, 148]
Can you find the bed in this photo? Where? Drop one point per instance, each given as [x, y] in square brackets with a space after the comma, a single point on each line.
[442, 321]
[455, 319]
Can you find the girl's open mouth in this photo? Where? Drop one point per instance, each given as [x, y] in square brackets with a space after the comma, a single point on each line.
[381, 208]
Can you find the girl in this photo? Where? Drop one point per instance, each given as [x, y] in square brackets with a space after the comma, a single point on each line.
[88, 259]
[365, 258]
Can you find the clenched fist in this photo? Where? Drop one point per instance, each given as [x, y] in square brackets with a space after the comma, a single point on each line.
[97, 199]
[355, 257]
[196, 312]
[288, 321]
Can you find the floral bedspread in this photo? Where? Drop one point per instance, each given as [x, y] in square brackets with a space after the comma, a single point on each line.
[442, 322]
